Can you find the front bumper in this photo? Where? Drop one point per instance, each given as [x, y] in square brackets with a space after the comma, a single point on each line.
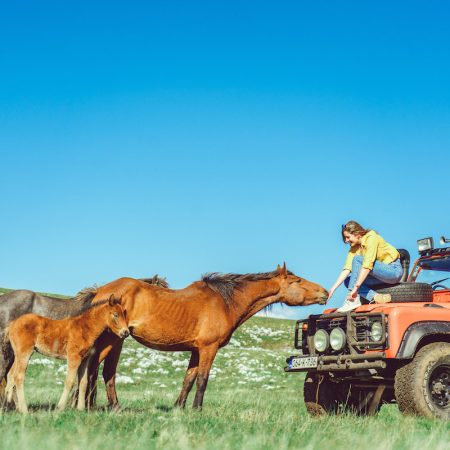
[333, 363]
[360, 353]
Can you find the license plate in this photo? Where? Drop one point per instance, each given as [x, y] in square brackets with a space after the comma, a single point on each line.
[303, 362]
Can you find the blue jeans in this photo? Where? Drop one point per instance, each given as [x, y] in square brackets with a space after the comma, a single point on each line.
[380, 273]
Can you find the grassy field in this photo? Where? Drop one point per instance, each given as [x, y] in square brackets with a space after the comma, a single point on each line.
[250, 403]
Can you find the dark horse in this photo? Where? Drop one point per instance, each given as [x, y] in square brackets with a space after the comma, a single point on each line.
[200, 318]
[17, 303]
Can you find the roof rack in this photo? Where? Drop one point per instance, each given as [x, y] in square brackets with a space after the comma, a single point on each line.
[436, 251]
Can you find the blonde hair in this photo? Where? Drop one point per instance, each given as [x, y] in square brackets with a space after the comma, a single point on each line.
[354, 228]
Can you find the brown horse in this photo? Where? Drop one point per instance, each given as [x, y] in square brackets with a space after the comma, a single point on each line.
[200, 318]
[72, 339]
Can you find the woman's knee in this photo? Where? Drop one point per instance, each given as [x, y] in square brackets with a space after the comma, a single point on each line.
[357, 260]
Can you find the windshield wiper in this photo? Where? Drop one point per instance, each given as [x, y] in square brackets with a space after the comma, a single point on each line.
[439, 281]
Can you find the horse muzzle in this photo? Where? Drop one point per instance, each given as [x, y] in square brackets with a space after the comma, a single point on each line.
[124, 334]
[323, 300]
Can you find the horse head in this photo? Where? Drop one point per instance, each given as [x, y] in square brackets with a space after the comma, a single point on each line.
[296, 291]
[117, 322]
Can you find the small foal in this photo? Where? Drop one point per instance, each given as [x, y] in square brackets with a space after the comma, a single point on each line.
[72, 339]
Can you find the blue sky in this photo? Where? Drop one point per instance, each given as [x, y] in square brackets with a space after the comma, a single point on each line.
[181, 138]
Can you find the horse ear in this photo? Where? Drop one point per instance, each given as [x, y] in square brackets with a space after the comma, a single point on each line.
[111, 300]
[283, 271]
[278, 268]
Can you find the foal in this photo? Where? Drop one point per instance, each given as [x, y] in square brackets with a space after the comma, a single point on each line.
[72, 339]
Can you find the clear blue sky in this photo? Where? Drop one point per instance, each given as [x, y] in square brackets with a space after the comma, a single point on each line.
[180, 138]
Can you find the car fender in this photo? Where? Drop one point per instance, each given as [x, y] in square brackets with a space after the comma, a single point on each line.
[416, 332]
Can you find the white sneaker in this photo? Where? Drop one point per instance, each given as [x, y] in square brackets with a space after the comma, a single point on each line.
[350, 305]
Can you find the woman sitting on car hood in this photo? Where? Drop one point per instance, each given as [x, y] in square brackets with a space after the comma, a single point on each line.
[370, 261]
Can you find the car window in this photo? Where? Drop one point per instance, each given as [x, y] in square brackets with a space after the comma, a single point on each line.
[429, 276]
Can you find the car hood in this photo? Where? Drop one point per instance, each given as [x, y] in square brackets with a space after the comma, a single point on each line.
[387, 307]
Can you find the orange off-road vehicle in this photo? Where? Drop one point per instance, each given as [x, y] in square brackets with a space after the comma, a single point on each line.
[383, 353]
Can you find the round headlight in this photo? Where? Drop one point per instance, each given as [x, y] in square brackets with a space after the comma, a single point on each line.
[376, 332]
[321, 340]
[337, 338]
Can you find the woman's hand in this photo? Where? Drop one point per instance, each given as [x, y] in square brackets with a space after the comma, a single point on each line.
[331, 292]
[353, 294]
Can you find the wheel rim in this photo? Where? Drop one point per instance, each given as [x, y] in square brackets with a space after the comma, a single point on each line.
[439, 387]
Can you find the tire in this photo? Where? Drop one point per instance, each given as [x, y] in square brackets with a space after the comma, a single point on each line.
[325, 397]
[408, 292]
[422, 387]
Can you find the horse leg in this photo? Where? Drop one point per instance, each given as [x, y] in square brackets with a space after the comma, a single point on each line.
[189, 379]
[18, 376]
[6, 362]
[5, 367]
[104, 345]
[91, 387]
[10, 384]
[206, 359]
[109, 374]
[82, 384]
[72, 368]
[91, 391]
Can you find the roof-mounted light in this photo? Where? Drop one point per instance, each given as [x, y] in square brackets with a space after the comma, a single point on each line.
[425, 244]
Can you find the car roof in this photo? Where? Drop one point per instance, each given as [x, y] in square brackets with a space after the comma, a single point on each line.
[439, 262]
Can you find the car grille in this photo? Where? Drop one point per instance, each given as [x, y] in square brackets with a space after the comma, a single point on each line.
[362, 326]
[358, 334]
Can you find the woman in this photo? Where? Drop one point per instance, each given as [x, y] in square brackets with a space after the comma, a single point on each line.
[370, 261]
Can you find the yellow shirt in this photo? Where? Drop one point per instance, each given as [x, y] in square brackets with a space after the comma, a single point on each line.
[374, 248]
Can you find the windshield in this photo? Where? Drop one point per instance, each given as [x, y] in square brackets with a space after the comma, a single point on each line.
[431, 276]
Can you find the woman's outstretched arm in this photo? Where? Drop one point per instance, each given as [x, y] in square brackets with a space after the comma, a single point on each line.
[343, 275]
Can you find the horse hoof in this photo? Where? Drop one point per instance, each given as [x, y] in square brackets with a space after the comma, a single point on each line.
[115, 408]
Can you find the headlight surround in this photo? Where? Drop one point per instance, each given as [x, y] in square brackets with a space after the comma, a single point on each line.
[376, 331]
[338, 338]
[321, 340]
[425, 244]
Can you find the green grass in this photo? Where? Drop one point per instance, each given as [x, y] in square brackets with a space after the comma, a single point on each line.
[6, 290]
[250, 403]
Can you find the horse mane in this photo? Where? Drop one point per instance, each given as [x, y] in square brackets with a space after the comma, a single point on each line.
[156, 280]
[226, 283]
[85, 297]
[86, 294]
[115, 301]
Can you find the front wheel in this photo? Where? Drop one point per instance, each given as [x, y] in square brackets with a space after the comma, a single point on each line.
[422, 386]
